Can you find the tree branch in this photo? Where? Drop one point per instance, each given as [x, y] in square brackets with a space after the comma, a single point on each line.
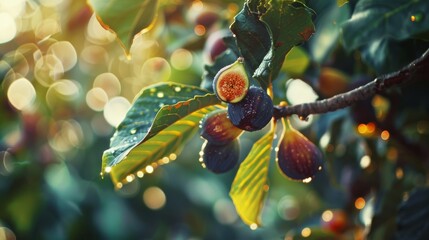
[346, 99]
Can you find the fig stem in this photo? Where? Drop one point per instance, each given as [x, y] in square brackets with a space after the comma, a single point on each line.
[419, 66]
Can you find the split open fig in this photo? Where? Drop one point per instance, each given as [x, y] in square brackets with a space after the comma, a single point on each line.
[231, 82]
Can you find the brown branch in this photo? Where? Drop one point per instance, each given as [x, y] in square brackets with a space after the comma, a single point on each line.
[346, 99]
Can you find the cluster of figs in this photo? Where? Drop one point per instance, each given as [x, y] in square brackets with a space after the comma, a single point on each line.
[250, 108]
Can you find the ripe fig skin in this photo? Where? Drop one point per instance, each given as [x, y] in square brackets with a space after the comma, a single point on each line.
[297, 157]
[254, 112]
[220, 158]
[231, 82]
[216, 128]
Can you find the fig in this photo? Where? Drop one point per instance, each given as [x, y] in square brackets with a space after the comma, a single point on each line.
[297, 157]
[252, 113]
[215, 44]
[216, 128]
[231, 82]
[220, 158]
[332, 81]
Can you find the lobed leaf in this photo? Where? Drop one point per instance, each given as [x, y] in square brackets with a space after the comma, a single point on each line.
[249, 187]
[159, 122]
[125, 18]
[374, 20]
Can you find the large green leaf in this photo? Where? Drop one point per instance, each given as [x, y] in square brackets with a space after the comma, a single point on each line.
[377, 19]
[126, 18]
[289, 24]
[161, 119]
[249, 187]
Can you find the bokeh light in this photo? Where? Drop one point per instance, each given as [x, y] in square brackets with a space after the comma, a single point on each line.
[298, 91]
[154, 198]
[109, 83]
[6, 234]
[67, 135]
[156, 69]
[181, 59]
[115, 110]
[65, 52]
[288, 208]
[365, 161]
[6, 163]
[47, 28]
[224, 211]
[62, 93]
[96, 98]
[8, 27]
[48, 69]
[14, 7]
[21, 94]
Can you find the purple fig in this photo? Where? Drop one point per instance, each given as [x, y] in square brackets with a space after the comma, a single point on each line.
[220, 158]
[297, 157]
[252, 113]
[216, 128]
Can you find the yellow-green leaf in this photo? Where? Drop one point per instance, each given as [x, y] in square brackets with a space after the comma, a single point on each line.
[125, 17]
[250, 186]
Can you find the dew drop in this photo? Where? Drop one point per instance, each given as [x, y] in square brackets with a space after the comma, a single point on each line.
[307, 180]
[133, 131]
[177, 89]
[160, 94]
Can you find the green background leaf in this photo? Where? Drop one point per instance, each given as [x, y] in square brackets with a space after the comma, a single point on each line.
[158, 123]
[249, 187]
[125, 18]
[375, 20]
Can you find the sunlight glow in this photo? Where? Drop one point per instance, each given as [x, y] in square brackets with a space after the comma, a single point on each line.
[154, 198]
[298, 91]
[115, 110]
[21, 94]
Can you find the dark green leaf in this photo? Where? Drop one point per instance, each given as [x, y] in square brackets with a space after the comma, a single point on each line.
[289, 24]
[252, 37]
[378, 19]
[126, 19]
[161, 119]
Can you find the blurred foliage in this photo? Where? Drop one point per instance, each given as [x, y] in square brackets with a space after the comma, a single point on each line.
[66, 84]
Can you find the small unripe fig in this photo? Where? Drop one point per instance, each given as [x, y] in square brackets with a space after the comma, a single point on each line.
[252, 113]
[332, 81]
[216, 128]
[231, 82]
[297, 157]
[220, 158]
[215, 45]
